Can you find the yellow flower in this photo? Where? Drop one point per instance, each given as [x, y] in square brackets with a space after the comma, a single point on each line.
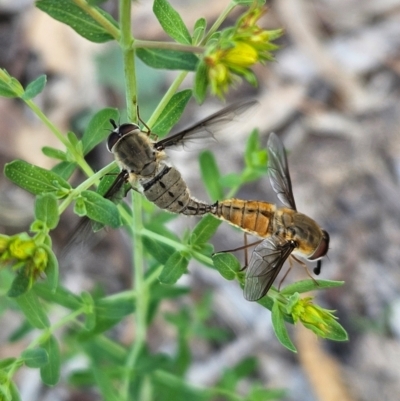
[22, 249]
[236, 50]
[321, 321]
[242, 55]
[40, 259]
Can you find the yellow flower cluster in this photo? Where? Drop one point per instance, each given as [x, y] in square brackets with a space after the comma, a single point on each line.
[237, 50]
[21, 250]
[321, 321]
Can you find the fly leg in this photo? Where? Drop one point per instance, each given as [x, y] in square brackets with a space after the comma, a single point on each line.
[243, 247]
[287, 271]
[306, 269]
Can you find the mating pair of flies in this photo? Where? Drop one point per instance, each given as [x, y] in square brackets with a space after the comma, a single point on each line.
[284, 231]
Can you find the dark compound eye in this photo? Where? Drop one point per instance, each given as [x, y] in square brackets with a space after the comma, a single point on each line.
[118, 133]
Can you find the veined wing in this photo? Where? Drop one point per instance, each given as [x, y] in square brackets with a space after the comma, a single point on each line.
[224, 119]
[265, 264]
[278, 170]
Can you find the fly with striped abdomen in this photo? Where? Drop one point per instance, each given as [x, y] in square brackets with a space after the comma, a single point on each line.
[287, 232]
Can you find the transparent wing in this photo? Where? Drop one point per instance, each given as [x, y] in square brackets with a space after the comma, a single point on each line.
[204, 130]
[83, 237]
[279, 171]
[265, 264]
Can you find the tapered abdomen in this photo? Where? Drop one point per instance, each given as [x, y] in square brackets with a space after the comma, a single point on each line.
[169, 191]
[254, 217]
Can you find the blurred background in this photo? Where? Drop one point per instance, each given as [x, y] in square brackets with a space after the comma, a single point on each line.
[333, 96]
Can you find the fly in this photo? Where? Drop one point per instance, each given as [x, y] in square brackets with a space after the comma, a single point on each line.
[287, 232]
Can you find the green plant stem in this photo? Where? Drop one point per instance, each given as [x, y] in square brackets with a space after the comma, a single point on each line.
[166, 98]
[147, 44]
[76, 156]
[219, 21]
[142, 293]
[142, 297]
[128, 53]
[93, 179]
[97, 16]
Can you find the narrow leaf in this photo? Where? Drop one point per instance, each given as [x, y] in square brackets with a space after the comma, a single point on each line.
[35, 358]
[98, 129]
[171, 21]
[199, 30]
[101, 209]
[35, 179]
[280, 330]
[46, 210]
[10, 88]
[310, 285]
[69, 13]
[52, 271]
[159, 251]
[172, 112]
[109, 308]
[211, 175]
[33, 310]
[200, 82]
[204, 230]
[50, 373]
[175, 266]
[20, 285]
[64, 169]
[35, 87]
[168, 59]
[61, 296]
[227, 265]
[54, 153]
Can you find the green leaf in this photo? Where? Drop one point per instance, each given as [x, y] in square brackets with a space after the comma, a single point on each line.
[199, 30]
[200, 82]
[101, 209]
[175, 266]
[54, 153]
[172, 112]
[80, 207]
[33, 310]
[52, 271]
[14, 393]
[159, 251]
[6, 362]
[35, 357]
[69, 13]
[227, 265]
[210, 175]
[204, 230]
[50, 373]
[168, 59]
[98, 128]
[34, 88]
[110, 308]
[171, 22]
[64, 169]
[11, 88]
[46, 210]
[280, 330]
[61, 296]
[35, 179]
[231, 180]
[74, 140]
[310, 285]
[20, 285]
